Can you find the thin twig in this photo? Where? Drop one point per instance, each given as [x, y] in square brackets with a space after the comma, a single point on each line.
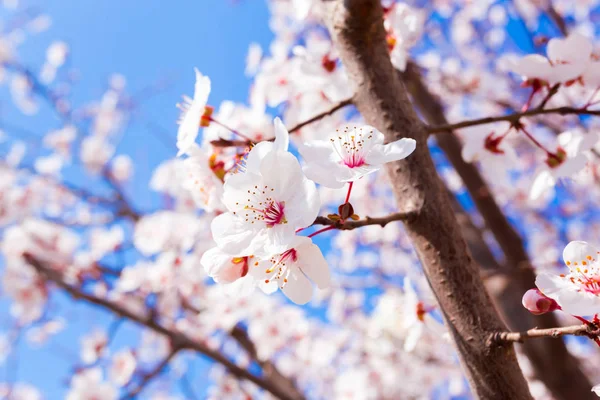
[513, 118]
[147, 378]
[322, 115]
[350, 224]
[245, 143]
[590, 331]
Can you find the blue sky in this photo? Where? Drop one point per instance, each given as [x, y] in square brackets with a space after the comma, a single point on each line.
[146, 41]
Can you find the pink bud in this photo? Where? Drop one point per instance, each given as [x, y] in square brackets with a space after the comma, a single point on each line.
[537, 303]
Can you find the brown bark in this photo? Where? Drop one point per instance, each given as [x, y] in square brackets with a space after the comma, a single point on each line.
[357, 30]
[550, 359]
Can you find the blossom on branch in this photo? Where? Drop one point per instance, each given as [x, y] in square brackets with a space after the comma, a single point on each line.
[191, 113]
[351, 154]
[577, 292]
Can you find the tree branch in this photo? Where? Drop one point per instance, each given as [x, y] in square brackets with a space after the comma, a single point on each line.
[356, 28]
[245, 143]
[322, 115]
[512, 118]
[147, 378]
[551, 361]
[575, 330]
[177, 339]
[350, 224]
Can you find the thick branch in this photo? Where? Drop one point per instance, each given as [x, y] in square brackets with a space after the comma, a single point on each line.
[512, 118]
[551, 361]
[177, 339]
[270, 371]
[356, 27]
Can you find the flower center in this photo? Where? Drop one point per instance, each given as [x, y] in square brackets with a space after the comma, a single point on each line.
[279, 264]
[350, 147]
[585, 274]
[260, 206]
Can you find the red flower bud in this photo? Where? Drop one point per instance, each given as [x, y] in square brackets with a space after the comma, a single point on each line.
[537, 303]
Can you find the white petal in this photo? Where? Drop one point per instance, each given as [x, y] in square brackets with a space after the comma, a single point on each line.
[280, 239]
[282, 137]
[219, 266]
[317, 150]
[324, 174]
[532, 66]
[313, 264]
[385, 153]
[234, 236]
[298, 288]
[188, 129]
[578, 252]
[281, 172]
[575, 48]
[542, 182]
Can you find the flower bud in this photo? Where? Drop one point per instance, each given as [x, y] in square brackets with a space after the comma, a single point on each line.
[537, 303]
[346, 211]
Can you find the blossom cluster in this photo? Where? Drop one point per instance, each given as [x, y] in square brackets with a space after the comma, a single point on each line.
[266, 198]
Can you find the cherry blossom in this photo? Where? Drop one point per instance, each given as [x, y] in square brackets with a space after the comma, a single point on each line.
[93, 346]
[89, 385]
[567, 60]
[570, 159]
[122, 367]
[351, 154]
[578, 291]
[405, 27]
[202, 180]
[192, 110]
[293, 270]
[267, 202]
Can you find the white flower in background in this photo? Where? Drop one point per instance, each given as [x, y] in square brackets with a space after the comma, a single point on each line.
[402, 315]
[166, 230]
[567, 60]
[192, 110]
[19, 391]
[293, 270]
[122, 367]
[405, 27]
[200, 180]
[121, 167]
[93, 346]
[95, 152]
[351, 154]
[253, 59]
[573, 155]
[596, 390]
[89, 385]
[105, 240]
[578, 292]
[266, 203]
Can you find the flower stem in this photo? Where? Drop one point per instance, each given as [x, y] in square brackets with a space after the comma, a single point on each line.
[231, 130]
[349, 191]
[589, 102]
[321, 231]
[534, 140]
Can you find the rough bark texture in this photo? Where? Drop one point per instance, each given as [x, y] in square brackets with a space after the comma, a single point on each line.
[493, 372]
[550, 359]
